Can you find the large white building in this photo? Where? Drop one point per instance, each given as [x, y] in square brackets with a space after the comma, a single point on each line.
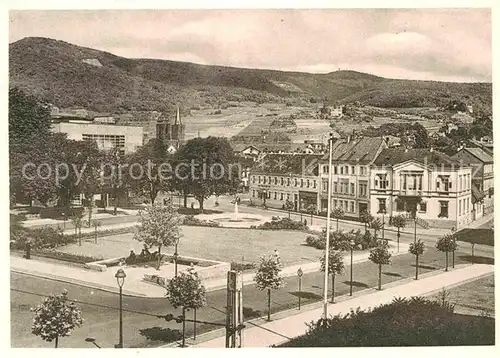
[441, 185]
[107, 136]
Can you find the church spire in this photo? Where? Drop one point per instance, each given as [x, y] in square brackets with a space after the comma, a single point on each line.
[178, 117]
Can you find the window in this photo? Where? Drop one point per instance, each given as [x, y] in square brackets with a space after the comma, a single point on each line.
[307, 183]
[443, 209]
[287, 196]
[288, 182]
[334, 169]
[281, 196]
[352, 188]
[334, 203]
[353, 169]
[314, 184]
[259, 179]
[381, 205]
[334, 186]
[446, 184]
[325, 185]
[282, 181]
[468, 205]
[352, 206]
[325, 169]
[295, 180]
[253, 193]
[269, 180]
[381, 181]
[460, 208]
[363, 189]
[301, 183]
[346, 203]
[423, 207]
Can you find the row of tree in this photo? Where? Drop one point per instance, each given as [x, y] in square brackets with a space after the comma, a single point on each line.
[50, 168]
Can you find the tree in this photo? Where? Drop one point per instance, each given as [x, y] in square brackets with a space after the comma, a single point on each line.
[376, 226]
[399, 222]
[149, 172]
[366, 218]
[55, 317]
[289, 207]
[446, 244]
[335, 266]
[90, 180]
[268, 277]
[417, 248]
[206, 166]
[29, 120]
[337, 214]
[114, 175]
[312, 209]
[380, 255]
[159, 226]
[77, 221]
[187, 291]
[96, 224]
[422, 139]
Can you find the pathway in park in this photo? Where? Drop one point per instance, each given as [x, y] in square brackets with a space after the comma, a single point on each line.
[279, 331]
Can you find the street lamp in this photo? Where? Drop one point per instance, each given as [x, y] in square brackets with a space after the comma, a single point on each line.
[120, 279]
[300, 273]
[453, 252]
[352, 248]
[383, 211]
[92, 340]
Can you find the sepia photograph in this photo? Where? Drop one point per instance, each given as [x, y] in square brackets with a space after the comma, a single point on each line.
[236, 178]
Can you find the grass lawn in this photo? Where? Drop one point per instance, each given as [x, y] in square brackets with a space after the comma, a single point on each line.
[221, 244]
[475, 297]
[478, 236]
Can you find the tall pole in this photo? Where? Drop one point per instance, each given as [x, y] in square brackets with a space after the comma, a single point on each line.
[327, 246]
[121, 321]
[350, 288]
[383, 224]
[175, 259]
[415, 236]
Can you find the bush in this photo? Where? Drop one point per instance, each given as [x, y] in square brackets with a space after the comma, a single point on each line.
[41, 238]
[238, 266]
[283, 224]
[65, 256]
[411, 321]
[56, 212]
[341, 240]
[318, 242]
[190, 220]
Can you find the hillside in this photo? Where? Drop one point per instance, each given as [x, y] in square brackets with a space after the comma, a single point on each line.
[69, 75]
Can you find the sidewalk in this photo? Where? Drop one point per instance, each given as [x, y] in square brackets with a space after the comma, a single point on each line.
[273, 333]
[136, 286]
[98, 216]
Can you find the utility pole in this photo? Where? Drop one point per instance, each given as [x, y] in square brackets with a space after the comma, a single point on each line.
[327, 246]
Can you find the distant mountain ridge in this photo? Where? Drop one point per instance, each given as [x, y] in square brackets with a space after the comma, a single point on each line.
[67, 75]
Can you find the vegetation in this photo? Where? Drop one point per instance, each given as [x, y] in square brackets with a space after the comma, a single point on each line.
[380, 255]
[417, 248]
[268, 277]
[337, 214]
[406, 322]
[282, 224]
[56, 317]
[335, 266]
[159, 227]
[190, 220]
[54, 71]
[446, 244]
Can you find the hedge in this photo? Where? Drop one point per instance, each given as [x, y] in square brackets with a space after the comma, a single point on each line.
[281, 224]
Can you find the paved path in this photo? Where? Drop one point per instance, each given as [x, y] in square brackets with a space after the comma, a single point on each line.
[274, 332]
[135, 285]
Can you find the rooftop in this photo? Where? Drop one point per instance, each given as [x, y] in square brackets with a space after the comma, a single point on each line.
[393, 156]
[298, 164]
[362, 150]
[480, 154]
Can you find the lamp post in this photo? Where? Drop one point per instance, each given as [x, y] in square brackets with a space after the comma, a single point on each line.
[120, 279]
[327, 245]
[64, 220]
[300, 273]
[352, 248]
[383, 223]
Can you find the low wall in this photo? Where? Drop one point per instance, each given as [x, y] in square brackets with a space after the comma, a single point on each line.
[102, 264]
[206, 269]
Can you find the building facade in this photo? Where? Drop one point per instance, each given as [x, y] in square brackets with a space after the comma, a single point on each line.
[276, 178]
[439, 184]
[351, 160]
[107, 136]
[482, 178]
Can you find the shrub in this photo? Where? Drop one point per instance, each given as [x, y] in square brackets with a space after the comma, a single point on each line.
[190, 220]
[239, 266]
[56, 212]
[283, 224]
[318, 242]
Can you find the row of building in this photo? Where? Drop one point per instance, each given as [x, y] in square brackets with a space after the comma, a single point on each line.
[370, 176]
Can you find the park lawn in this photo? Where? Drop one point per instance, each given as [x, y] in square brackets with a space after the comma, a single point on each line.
[477, 236]
[475, 297]
[220, 244]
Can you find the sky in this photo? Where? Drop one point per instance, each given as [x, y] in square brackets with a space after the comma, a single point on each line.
[423, 44]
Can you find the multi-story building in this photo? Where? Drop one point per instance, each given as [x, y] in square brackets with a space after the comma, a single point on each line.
[439, 183]
[107, 136]
[148, 120]
[276, 178]
[482, 178]
[351, 160]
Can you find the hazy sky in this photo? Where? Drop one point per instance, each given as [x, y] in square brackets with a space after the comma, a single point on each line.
[434, 44]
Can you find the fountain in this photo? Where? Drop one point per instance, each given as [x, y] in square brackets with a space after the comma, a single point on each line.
[235, 219]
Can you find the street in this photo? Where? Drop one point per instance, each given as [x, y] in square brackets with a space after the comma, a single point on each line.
[100, 309]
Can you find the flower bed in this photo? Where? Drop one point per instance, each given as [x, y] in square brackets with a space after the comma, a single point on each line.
[190, 220]
[281, 224]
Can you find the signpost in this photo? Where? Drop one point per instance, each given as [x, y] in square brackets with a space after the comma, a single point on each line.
[300, 273]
